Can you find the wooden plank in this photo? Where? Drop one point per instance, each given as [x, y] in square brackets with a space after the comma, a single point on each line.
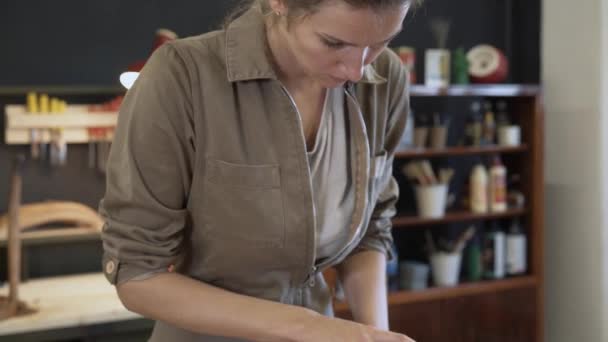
[405, 319]
[505, 316]
[67, 301]
[75, 116]
[538, 208]
[462, 290]
[459, 151]
[455, 216]
[498, 90]
[70, 135]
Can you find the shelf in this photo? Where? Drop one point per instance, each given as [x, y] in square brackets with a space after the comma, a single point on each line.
[455, 216]
[499, 90]
[75, 124]
[465, 289]
[76, 116]
[459, 151]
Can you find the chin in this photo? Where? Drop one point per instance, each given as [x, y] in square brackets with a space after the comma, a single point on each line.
[332, 82]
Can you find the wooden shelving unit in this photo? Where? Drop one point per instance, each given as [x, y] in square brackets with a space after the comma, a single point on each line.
[502, 310]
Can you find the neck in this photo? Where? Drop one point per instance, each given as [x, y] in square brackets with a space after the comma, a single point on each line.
[288, 72]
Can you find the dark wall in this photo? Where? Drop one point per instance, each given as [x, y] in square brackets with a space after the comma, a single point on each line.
[71, 43]
[74, 42]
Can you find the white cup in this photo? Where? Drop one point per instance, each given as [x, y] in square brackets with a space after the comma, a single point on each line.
[509, 136]
[446, 268]
[431, 200]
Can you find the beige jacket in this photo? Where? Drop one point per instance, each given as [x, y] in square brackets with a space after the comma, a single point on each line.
[208, 171]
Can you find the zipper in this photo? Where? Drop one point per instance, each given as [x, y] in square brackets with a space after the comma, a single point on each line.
[299, 298]
[310, 277]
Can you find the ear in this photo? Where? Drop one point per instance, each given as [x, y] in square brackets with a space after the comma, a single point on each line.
[278, 7]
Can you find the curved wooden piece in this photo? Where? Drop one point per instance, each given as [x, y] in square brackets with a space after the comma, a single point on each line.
[36, 214]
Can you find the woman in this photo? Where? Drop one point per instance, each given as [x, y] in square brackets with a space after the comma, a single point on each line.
[247, 161]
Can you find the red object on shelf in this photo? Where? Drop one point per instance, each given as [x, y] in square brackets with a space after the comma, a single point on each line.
[109, 106]
[137, 66]
[162, 36]
[408, 58]
[487, 64]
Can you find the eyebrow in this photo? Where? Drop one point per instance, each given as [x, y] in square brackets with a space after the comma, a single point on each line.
[340, 41]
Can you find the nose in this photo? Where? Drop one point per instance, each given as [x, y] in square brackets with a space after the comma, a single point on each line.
[354, 63]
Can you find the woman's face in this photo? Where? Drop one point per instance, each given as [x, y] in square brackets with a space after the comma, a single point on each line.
[333, 44]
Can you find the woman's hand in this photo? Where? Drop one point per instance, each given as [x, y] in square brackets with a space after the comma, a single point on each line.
[321, 328]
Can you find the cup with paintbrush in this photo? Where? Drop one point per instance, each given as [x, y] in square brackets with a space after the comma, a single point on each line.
[445, 263]
[439, 132]
[421, 131]
[431, 190]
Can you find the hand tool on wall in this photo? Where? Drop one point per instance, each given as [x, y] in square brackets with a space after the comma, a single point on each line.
[58, 148]
[32, 109]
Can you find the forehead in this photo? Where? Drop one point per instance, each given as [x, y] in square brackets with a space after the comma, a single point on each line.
[358, 25]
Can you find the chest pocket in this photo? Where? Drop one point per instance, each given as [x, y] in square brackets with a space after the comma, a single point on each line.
[244, 202]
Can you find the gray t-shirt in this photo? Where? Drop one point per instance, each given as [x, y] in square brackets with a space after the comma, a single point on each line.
[330, 168]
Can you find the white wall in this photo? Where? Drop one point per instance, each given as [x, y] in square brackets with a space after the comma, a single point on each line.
[604, 97]
[573, 51]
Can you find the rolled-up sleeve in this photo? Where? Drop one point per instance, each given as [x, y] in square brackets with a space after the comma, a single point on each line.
[378, 236]
[149, 172]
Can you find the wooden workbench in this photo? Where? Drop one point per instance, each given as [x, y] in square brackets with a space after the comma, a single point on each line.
[70, 307]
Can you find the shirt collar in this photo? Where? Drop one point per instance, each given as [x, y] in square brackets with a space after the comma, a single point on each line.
[248, 53]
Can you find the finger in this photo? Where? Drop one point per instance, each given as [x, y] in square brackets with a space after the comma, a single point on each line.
[387, 336]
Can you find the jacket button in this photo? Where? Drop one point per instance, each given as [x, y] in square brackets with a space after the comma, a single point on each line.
[110, 266]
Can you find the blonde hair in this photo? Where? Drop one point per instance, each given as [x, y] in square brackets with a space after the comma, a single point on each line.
[302, 8]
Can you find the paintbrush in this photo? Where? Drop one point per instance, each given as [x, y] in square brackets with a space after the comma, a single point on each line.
[445, 175]
[412, 171]
[427, 170]
[463, 239]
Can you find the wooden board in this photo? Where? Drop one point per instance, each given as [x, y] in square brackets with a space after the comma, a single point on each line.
[74, 116]
[74, 123]
[66, 302]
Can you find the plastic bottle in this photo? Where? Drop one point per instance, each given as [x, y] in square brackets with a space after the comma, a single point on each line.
[489, 125]
[494, 253]
[473, 128]
[502, 116]
[479, 189]
[474, 265]
[498, 186]
[516, 250]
